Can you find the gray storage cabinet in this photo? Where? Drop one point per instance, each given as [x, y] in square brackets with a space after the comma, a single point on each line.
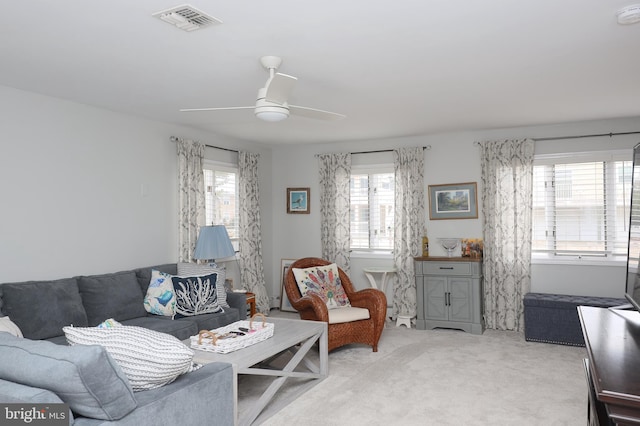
[449, 292]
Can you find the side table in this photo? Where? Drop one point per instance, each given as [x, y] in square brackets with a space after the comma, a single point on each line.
[251, 301]
[385, 275]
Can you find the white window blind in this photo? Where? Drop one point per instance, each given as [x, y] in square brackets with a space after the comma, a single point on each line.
[372, 204]
[581, 205]
[221, 197]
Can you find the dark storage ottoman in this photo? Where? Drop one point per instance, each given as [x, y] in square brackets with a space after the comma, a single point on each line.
[553, 318]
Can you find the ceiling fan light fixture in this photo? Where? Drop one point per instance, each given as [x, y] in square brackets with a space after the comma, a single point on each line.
[271, 116]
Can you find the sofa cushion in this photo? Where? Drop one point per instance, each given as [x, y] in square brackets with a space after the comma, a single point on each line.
[211, 321]
[41, 308]
[85, 377]
[149, 359]
[182, 329]
[116, 296]
[193, 269]
[11, 392]
[347, 314]
[160, 298]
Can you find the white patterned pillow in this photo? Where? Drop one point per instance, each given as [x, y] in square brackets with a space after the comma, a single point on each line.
[194, 270]
[148, 358]
[196, 295]
[160, 298]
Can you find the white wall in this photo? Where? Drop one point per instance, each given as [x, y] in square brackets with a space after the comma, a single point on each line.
[71, 180]
[71, 185]
[453, 158]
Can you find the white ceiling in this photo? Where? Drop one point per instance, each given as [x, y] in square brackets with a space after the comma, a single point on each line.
[395, 68]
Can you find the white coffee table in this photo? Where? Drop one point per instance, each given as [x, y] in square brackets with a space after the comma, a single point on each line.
[287, 335]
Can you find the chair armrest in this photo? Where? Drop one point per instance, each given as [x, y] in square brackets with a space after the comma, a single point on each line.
[311, 307]
[368, 298]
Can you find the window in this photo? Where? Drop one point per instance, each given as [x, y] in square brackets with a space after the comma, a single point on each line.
[221, 197]
[581, 204]
[372, 204]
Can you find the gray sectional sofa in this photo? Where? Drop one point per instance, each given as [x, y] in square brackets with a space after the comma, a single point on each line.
[42, 308]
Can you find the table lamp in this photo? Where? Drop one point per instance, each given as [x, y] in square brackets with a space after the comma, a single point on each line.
[213, 243]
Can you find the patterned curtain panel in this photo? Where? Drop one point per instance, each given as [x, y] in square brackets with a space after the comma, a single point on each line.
[250, 248]
[408, 226]
[335, 174]
[507, 179]
[191, 211]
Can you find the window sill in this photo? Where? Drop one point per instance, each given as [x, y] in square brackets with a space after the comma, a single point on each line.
[579, 261]
[374, 254]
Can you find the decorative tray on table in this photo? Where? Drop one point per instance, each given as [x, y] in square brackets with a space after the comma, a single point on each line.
[234, 336]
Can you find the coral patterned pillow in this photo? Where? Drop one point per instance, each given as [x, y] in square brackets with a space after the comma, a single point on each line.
[196, 295]
[324, 281]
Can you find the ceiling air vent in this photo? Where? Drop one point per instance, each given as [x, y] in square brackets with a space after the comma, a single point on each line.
[186, 17]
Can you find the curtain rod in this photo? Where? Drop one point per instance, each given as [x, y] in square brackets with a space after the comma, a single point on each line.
[555, 138]
[174, 139]
[595, 135]
[428, 147]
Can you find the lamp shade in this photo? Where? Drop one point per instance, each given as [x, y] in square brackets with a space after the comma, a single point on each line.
[213, 243]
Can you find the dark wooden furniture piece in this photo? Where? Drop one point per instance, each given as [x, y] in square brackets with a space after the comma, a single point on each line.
[311, 307]
[612, 339]
[251, 301]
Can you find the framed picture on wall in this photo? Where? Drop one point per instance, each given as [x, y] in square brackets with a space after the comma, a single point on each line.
[285, 305]
[298, 200]
[453, 201]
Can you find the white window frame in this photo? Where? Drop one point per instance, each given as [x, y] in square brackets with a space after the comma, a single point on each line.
[228, 168]
[581, 157]
[371, 169]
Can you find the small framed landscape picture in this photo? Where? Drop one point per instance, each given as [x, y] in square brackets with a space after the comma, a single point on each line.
[298, 200]
[285, 305]
[453, 201]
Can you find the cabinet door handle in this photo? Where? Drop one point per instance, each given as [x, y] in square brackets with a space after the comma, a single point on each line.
[448, 299]
[446, 267]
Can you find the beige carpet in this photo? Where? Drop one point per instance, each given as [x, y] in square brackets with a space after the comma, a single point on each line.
[439, 377]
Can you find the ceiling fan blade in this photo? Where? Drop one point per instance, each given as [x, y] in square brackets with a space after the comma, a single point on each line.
[318, 114]
[279, 88]
[216, 109]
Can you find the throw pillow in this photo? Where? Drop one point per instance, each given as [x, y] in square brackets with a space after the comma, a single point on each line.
[324, 281]
[110, 323]
[195, 270]
[196, 295]
[160, 298]
[10, 327]
[148, 358]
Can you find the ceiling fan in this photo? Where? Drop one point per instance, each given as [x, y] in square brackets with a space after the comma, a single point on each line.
[272, 104]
